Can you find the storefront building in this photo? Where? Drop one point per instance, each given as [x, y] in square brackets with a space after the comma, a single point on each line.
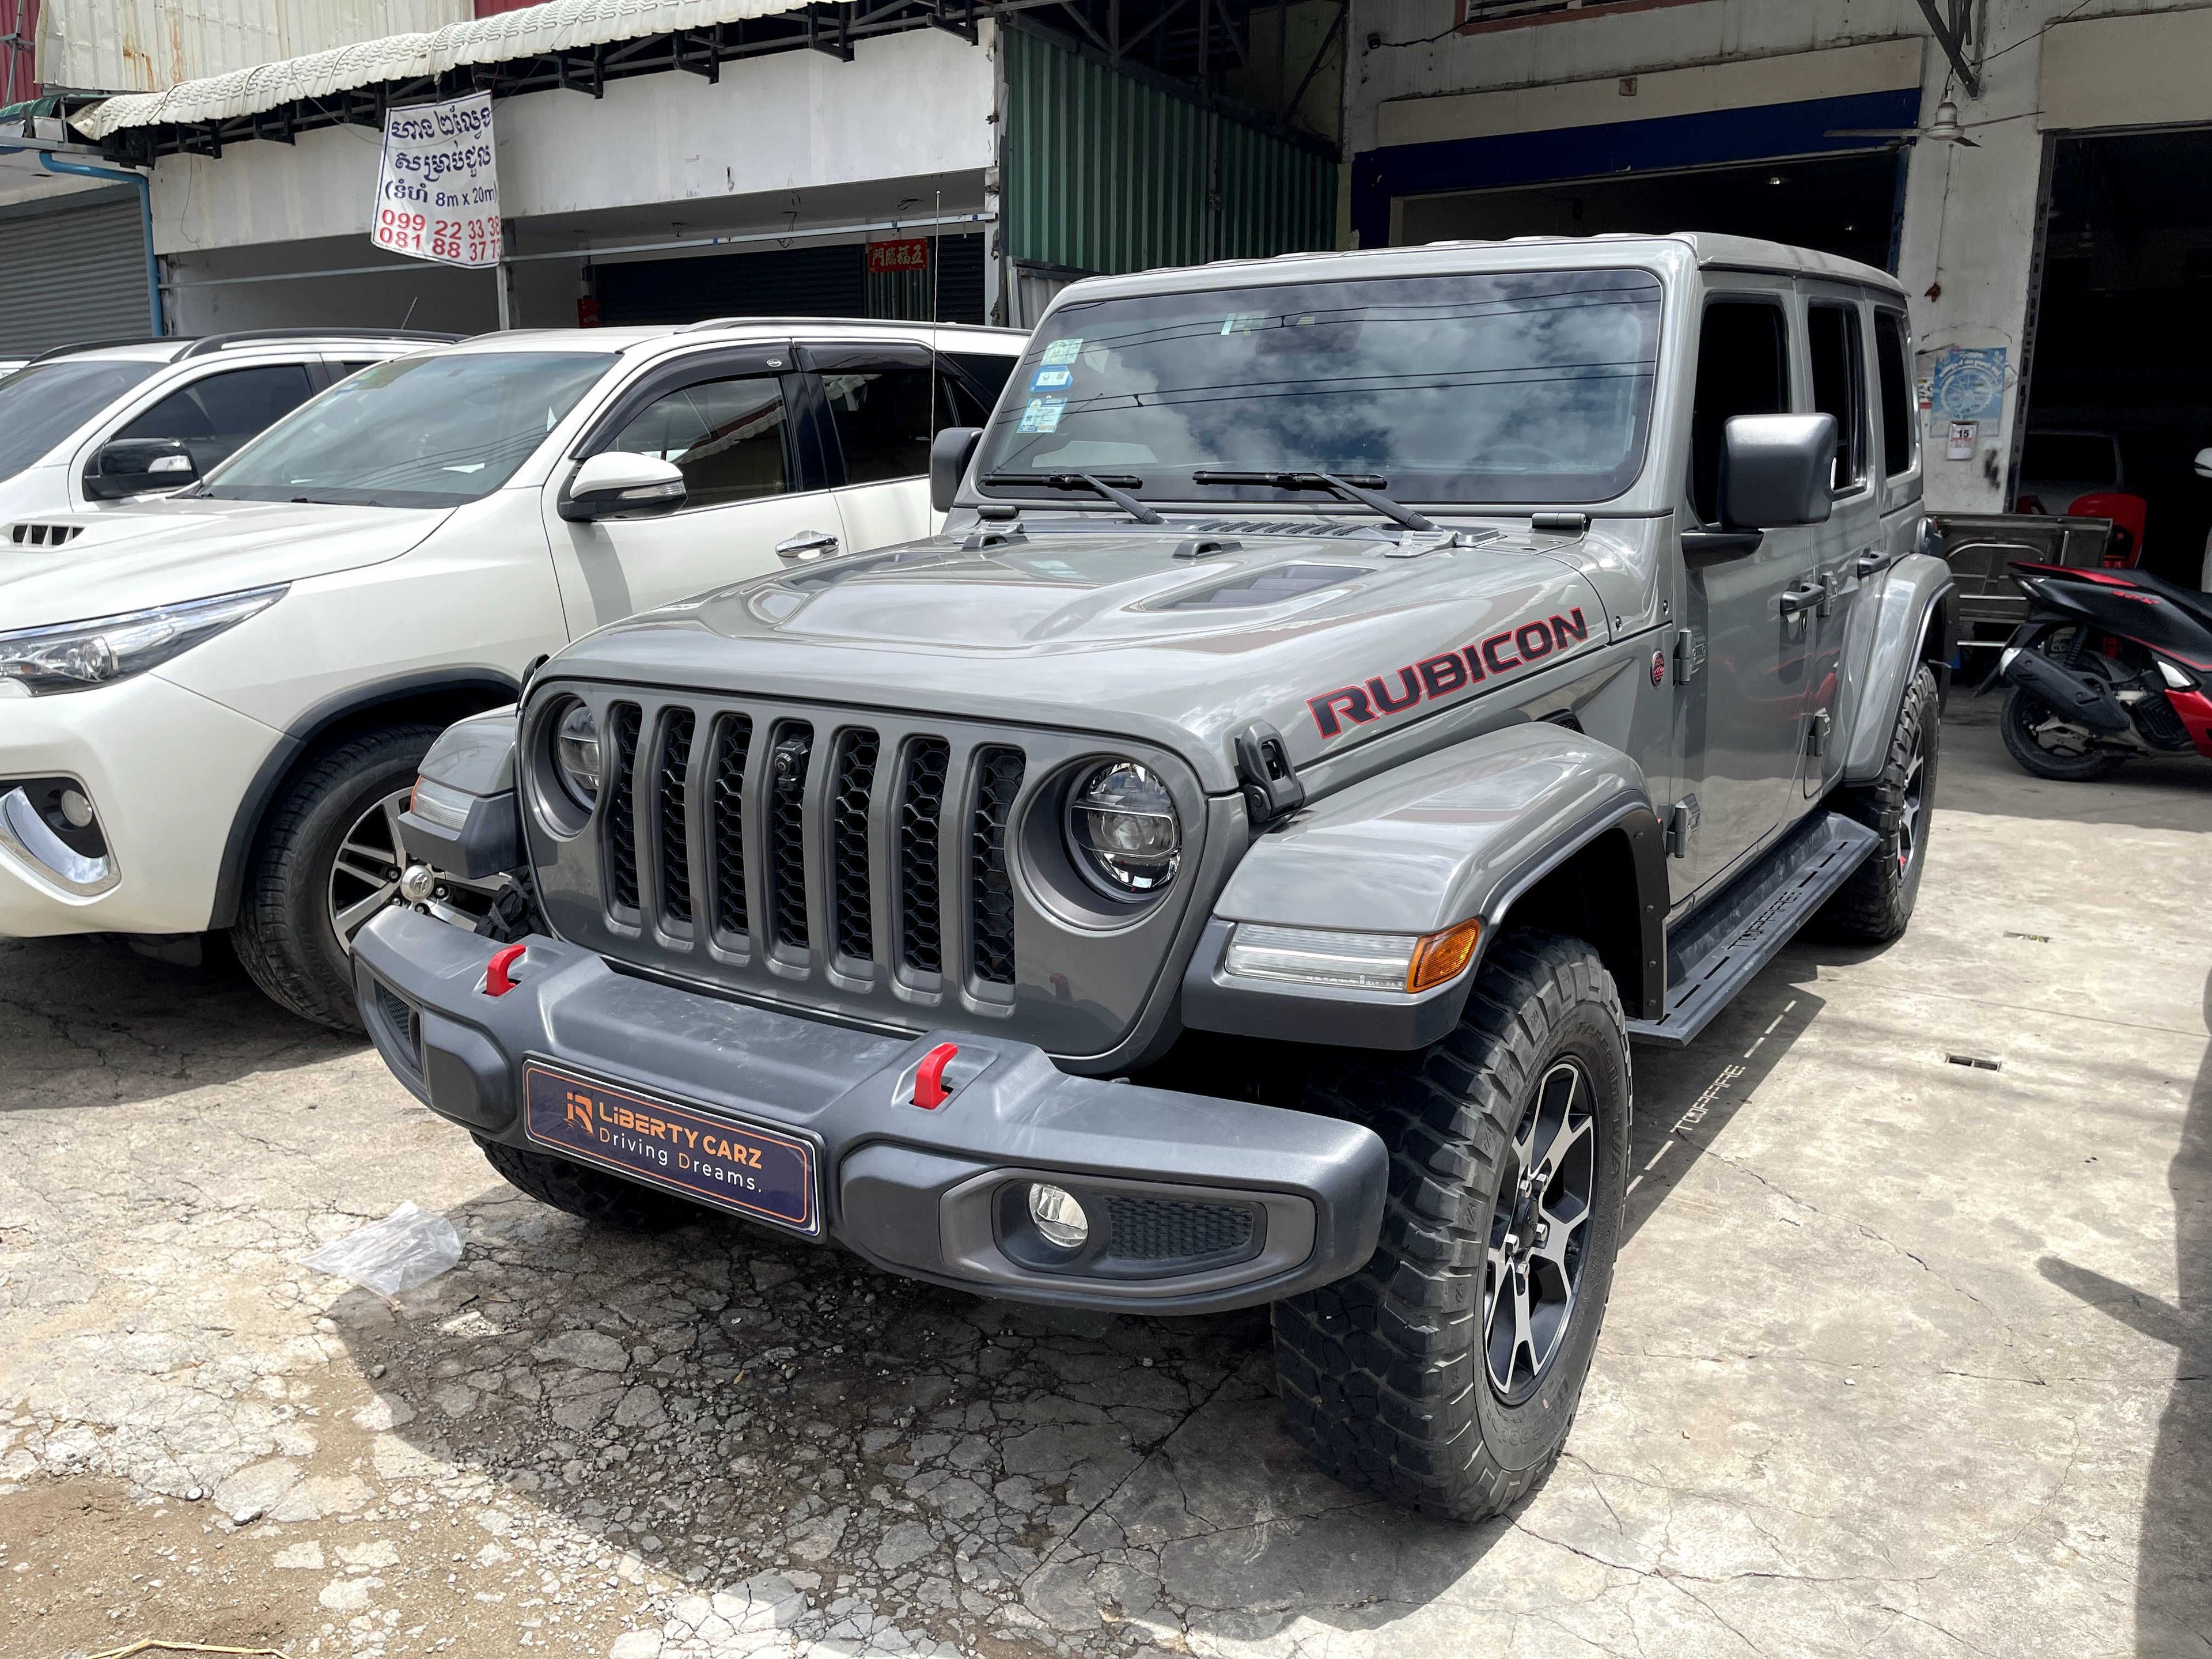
[2057, 262]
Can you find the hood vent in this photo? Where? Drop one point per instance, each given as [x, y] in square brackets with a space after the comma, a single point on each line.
[1284, 581]
[1287, 527]
[43, 535]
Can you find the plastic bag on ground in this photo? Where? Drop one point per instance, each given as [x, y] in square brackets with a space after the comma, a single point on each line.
[409, 1246]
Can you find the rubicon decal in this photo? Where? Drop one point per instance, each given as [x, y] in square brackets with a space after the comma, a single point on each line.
[1432, 678]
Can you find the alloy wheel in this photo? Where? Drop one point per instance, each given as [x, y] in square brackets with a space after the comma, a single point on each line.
[373, 872]
[1538, 1232]
[1909, 821]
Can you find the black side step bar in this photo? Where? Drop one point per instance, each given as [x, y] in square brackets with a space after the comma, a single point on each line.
[1715, 953]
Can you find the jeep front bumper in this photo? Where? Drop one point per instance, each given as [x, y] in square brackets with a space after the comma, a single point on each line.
[1198, 1204]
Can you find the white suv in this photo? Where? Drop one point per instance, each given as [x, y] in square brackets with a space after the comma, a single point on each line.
[215, 702]
[92, 424]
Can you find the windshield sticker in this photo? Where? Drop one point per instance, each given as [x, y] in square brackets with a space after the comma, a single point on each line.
[1052, 379]
[1436, 678]
[1063, 351]
[1245, 322]
[1042, 415]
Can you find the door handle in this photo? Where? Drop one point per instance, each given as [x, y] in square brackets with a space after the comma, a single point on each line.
[808, 546]
[1869, 562]
[1803, 597]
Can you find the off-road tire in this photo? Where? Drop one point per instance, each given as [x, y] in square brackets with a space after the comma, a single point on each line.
[603, 1199]
[283, 937]
[1876, 903]
[2022, 712]
[1382, 1375]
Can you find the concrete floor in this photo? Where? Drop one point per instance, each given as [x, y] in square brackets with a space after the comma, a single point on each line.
[1905, 1356]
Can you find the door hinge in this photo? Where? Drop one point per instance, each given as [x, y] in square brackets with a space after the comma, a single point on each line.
[1817, 728]
[1682, 826]
[1689, 655]
[1832, 583]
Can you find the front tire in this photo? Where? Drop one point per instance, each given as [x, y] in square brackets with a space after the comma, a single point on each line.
[1874, 905]
[1445, 1373]
[286, 936]
[589, 1194]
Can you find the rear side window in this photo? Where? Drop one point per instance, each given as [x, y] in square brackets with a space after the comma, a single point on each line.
[214, 417]
[989, 375]
[881, 411]
[1743, 369]
[1899, 428]
[1838, 351]
[729, 437]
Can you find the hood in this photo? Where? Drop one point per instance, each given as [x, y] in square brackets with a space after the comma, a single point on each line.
[1331, 638]
[67, 567]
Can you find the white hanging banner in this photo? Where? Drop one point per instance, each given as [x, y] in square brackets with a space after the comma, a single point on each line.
[437, 192]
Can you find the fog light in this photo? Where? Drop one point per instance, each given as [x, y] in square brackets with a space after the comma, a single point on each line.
[1060, 1219]
[77, 808]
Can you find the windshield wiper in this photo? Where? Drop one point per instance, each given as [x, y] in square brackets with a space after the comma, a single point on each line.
[1362, 486]
[1096, 483]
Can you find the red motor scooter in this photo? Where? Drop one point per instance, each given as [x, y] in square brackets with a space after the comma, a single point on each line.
[2109, 664]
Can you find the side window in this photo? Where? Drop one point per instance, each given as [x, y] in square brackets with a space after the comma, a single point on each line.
[881, 412]
[1743, 369]
[731, 438]
[1838, 351]
[215, 416]
[1900, 427]
[989, 373]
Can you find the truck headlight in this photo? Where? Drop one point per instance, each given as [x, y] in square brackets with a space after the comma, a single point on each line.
[576, 752]
[1123, 831]
[76, 656]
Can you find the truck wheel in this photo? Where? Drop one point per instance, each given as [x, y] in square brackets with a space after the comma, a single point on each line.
[603, 1199]
[1444, 1374]
[287, 936]
[2047, 746]
[1875, 904]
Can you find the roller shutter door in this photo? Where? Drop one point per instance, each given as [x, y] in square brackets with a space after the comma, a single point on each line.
[803, 282]
[72, 269]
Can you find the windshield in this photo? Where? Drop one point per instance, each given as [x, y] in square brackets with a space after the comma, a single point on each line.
[432, 431]
[42, 403]
[1520, 386]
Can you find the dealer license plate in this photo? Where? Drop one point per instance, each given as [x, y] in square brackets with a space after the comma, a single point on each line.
[716, 1160]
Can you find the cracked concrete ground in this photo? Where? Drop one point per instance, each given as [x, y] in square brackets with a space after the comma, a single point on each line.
[1906, 1357]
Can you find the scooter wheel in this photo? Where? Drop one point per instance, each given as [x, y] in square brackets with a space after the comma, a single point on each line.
[2028, 739]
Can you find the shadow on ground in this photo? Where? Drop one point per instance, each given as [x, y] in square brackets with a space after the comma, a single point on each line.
[88, 1022]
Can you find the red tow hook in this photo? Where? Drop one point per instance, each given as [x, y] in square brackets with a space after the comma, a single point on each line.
[497, 982]
[929, 1089]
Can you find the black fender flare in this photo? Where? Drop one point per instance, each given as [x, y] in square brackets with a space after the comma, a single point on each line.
[425, 691]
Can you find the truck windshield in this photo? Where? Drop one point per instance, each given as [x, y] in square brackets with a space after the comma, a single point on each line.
[429, 431]
[1523, 386]
[41, 403]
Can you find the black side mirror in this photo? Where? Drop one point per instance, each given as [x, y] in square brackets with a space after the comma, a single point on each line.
[138, 467]
[949, 452]
[1778, 470]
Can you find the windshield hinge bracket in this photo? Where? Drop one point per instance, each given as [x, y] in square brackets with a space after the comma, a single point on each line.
[1271, 786]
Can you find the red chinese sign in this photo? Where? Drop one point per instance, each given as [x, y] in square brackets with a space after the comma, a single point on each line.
[885, 257]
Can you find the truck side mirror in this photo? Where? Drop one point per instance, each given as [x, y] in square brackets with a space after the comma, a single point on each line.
[1778, 470]
[617, 484]
[138, 467]
[2204, 463]
[949, 452]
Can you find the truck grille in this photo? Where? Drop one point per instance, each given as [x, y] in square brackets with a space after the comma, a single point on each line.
[790, 841]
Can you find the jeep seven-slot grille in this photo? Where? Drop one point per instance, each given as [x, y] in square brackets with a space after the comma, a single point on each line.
[622, 817]
[733, 742]
[991, 923]
[848, 845]
[922, 810]
[786, 832]
[905, 832]
[675, 837]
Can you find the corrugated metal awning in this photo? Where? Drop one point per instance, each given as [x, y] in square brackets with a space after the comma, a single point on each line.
[558, 25]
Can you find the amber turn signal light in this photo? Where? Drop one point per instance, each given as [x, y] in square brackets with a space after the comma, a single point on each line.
[1440, 956]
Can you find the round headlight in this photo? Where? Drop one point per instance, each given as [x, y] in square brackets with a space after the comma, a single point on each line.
[576, 752]
[1122, 830]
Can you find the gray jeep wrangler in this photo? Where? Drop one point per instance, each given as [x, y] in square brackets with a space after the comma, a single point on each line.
[1353, 696]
